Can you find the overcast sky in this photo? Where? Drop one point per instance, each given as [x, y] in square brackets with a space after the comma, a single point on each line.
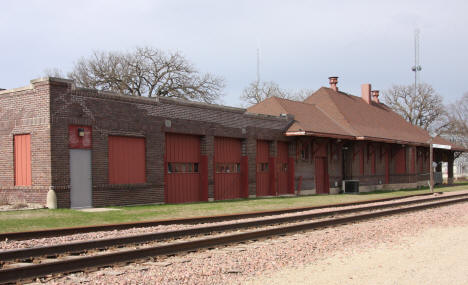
[302, 43]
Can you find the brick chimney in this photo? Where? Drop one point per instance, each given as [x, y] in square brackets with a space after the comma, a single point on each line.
[375, 96]
[366, 92]
[333, 82]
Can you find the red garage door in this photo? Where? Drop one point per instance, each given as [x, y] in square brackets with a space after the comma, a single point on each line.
[282, 165]
[263, 169]
[182, 168]
[227, 160]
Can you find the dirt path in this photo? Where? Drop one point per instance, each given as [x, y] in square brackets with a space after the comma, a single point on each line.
[435, 256]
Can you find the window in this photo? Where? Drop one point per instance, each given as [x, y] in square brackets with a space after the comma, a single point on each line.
[283, 167]
[227, 167]
[127, 161]
[262, 167]
[22, 153]
[305, 151]
[182, 167]
[421, 157]
[373, 168]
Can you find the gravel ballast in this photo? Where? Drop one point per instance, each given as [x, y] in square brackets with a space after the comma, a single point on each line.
[247, 262]
[13, 244]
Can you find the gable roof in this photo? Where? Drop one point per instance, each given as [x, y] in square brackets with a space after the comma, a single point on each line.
[337, 114]
[308, 118]
[370, 121]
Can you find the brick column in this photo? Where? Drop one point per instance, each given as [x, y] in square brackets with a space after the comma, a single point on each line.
[244, 170]
[207, 151]
[251, 152]
[272, 162]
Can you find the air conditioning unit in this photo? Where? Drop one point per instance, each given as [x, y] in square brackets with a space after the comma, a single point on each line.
[351, 186]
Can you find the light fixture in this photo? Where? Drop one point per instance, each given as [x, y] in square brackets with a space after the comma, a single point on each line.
[81, 132]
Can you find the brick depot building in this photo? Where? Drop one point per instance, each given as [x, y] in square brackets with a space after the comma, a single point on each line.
[98, 148]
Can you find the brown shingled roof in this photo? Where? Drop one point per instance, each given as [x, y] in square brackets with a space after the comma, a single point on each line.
[336, 114]
[374, 121]
[308, 118]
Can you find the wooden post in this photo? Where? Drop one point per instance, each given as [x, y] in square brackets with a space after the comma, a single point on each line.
[431, 171]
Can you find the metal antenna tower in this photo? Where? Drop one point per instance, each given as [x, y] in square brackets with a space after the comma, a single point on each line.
[258, 64]
[416, 68]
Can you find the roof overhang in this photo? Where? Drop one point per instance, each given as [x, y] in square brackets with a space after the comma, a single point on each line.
[386, 140]
[441, 146]
[363, 138]
[317, 134]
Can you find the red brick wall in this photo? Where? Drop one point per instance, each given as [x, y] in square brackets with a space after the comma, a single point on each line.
[47, 108]
[110, 114]
[26, 111]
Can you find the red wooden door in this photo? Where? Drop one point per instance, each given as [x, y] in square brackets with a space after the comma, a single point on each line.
[400, 161]
[22, 152]
[227, 160]
[387, 164]
[182, 168]
[282, 167]
[420, 162]
[413, 159]
[263, 169]
[372, 157]
[321, 175]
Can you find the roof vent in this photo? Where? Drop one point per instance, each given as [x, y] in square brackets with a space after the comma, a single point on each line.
[333, 82]
[375, 96]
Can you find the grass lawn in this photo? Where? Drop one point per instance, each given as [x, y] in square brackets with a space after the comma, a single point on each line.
[13, 221]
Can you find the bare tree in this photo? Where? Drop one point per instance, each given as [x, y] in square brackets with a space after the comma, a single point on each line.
[146, 72]
[424, 109]
[257, 91]
[458, 116]
[300, 94]
[52, 72]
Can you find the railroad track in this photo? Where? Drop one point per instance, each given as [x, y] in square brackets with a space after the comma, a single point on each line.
[31, 263]
[197, 220]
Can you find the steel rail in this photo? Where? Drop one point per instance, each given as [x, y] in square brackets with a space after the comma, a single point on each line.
[26, 253]
[196, 220]
[80, 263]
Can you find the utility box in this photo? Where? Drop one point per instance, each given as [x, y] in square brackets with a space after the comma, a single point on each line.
[350, 186]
